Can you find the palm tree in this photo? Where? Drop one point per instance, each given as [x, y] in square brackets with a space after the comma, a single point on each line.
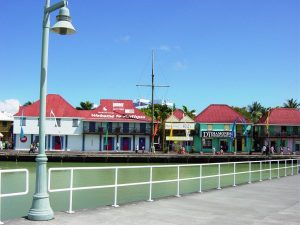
[161, 113]
[27, 103]
[256, 111]
[291, 103]
[243, 111]
[87, 105]
[190, 113]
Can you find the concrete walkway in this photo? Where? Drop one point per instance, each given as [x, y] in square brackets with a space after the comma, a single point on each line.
[269, 202]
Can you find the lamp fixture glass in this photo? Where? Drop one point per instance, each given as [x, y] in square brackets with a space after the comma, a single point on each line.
[63, 23]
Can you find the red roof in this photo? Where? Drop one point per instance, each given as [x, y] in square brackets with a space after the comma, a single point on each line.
[59, 106]
[109, 110]
[284, 116]
[219, 113]
[179, 114]
[116, 111]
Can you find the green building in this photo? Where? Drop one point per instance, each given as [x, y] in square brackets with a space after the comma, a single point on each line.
[221, 127]
[280, 129]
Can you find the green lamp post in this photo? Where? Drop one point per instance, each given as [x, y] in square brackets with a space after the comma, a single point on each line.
[41, 209]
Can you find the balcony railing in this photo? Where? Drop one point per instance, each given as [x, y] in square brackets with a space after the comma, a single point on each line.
[280, 134]
[116, 130]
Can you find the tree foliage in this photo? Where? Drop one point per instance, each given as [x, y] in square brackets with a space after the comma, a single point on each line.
[27, 103]
[190, 113]
[87, 105]
[291, 103]
[243, 111]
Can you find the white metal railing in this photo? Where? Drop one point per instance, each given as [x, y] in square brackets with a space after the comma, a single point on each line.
[178, 179]
[13, 193]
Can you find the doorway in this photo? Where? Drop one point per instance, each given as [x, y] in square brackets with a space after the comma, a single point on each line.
[57, 142]
[110, 144]
[125, 143]
[224, 145]
[239, 144]
[142, 143]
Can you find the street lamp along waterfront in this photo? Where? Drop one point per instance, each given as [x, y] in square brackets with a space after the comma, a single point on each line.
[41, 209]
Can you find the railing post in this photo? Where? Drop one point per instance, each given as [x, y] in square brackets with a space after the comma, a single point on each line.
[219, 178]
[285, 167]
[71, 191]
[249, 181]
[178, 184]
[278, 174]
[292, 167]
[234, 170]
[116, 188]
[200, 179]
[150, 188]
[260, 171]
[0, 196]
[270, 162]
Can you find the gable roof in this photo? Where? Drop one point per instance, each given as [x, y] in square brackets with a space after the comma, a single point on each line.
[179, 116]
[116, 111]
[109, 110]
[220, 113]
[59, 106]
[283, 116]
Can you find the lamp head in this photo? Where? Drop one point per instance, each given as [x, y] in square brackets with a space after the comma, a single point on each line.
[63, 23]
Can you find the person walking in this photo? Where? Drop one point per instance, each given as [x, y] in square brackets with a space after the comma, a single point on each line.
[263, 150]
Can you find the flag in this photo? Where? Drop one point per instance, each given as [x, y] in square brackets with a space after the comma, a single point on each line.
[21, 133]
[155, 129]
[106, 136]
[52, 114]
[267, 122]
[171, 131]
[21, 125]
[232, 130]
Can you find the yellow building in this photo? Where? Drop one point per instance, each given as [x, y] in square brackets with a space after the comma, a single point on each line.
[179, 131]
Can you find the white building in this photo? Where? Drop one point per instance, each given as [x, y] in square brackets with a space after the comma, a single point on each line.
[144, 103]
[113, 125]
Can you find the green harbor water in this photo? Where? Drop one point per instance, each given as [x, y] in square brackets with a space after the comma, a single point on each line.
[18, 206]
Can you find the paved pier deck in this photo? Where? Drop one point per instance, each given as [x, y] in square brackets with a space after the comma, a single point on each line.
[270, 202]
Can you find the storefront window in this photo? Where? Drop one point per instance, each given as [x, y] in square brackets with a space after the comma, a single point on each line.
[226, 127]
[207, 143]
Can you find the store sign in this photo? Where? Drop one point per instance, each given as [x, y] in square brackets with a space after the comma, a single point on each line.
[129, 111]
[117, 116]
[118, 106]
[216, 134]
[183, 138]
[180, 126]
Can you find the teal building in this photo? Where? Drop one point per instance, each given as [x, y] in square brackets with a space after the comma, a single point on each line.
[221, 127]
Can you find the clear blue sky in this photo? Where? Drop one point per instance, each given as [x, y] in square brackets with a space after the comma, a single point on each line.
[209, 51]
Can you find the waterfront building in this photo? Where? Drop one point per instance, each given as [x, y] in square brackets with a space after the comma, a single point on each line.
[145, 103]
[113, 125]
[179, 129]
[280, 129]
[221, 127]
[6, 124]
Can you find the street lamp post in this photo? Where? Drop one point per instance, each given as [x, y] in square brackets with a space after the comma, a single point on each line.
[41, 209]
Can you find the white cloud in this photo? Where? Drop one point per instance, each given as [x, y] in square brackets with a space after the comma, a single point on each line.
[123, 39]
[10, 106]
[180, 65]
[168, 48]
[165, 48]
